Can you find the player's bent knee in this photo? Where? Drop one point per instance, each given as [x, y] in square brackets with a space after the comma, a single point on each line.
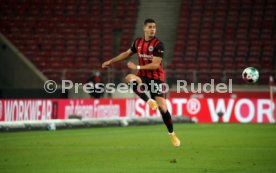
[130, 77]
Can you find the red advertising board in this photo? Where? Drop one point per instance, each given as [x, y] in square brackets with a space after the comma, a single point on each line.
[234, 94]
[205, 110]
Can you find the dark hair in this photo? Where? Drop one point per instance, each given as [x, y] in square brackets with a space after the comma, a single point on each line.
[148, 21]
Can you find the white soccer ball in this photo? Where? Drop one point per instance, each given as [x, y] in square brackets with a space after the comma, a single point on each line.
[250, 75]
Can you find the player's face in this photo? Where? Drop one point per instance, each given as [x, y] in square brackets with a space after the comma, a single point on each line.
[150, 30]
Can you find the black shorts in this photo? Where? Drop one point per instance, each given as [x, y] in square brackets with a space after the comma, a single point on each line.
[155, 87]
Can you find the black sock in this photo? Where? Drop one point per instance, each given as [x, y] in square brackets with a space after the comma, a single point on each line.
[167, 119]
[134, 86]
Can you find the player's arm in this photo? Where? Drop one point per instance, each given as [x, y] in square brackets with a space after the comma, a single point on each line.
[122, 56]
[156, 61]
[158, 54]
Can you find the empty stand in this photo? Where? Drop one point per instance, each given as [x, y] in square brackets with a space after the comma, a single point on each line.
[223, 37]
[68, 34]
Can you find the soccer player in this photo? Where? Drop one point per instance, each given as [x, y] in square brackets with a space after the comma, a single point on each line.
[150, 52]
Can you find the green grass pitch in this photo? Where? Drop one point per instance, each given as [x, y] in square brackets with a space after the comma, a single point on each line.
[205, 148]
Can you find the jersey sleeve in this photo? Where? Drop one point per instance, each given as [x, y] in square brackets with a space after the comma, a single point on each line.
[159, 50]
[133, 47]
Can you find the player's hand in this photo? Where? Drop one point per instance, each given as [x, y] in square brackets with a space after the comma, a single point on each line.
[106, 64]
[132, 66]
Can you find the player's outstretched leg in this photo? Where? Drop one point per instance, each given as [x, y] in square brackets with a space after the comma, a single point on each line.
[167, 119]
[133, 82]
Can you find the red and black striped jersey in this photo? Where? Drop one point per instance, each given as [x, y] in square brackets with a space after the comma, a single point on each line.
[146, 50]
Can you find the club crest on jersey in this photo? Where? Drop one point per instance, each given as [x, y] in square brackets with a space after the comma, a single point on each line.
[150, 48]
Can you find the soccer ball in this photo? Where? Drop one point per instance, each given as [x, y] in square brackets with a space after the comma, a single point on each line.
[250, 75]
